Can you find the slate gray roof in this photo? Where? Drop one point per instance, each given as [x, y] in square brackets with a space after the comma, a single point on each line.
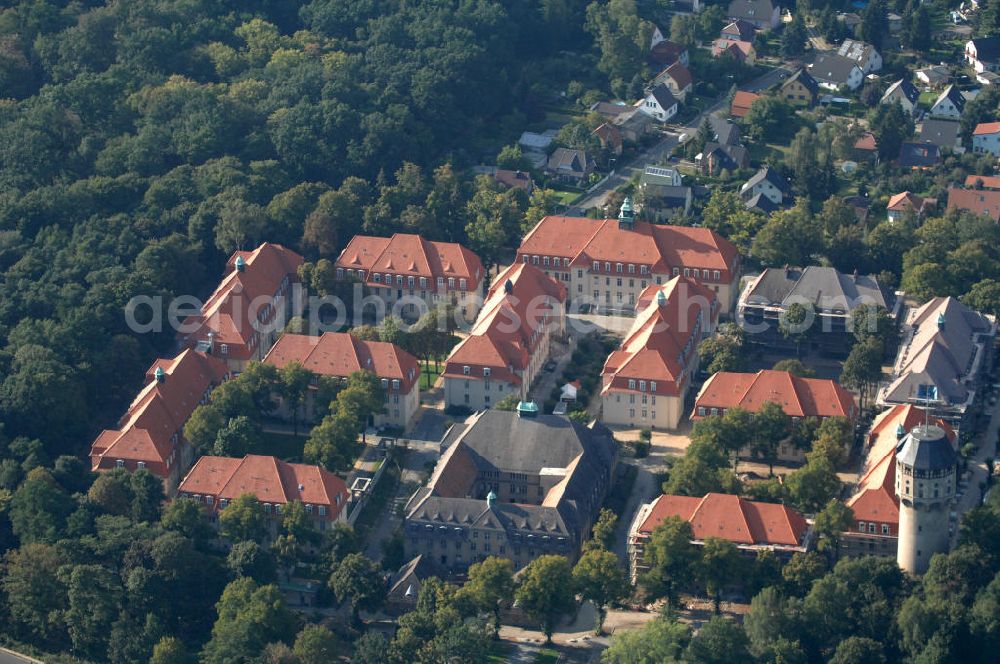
[761, 203]
[805, 78]
[833, 68]
[729, 156]
[904, 86]
[927, 448]
[769, 174]
[406, 582]
[751, 10]
[668, 193]
[567, 160]
[663, 96]
[987, 48]
[918, 155]
[826, 288]
[954, 95]
[726, 132]
[744, 30]
[858, 51]
[942, 133]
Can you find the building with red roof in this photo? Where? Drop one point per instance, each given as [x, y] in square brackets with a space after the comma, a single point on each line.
[249, 308]
[400, 269]
[906, 201]
[677, 78]
[216, 481]
[798, 397]
[151, 433]
[991, 182]
[986, 138]
[875, 529]
[752, 526]
[607, 263]
[646, 381]
[510, 340]
[338, 355]
[742, 101]
[977, 201]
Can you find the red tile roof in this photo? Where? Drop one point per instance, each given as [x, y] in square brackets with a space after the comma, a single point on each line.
[159, 411]
[412, 256]
[679, 74]
[228, 313]
[989, 181]
[905, 201]
[742, 101]
[660, 247]
[866, 142]
[653, 347]
[730, 517]
[666, 52]
[514, 179]
[798, 397]
[268, 478]
[984, 128]
[976, 201]
[504, 335]
[339, 354]
[875, 499]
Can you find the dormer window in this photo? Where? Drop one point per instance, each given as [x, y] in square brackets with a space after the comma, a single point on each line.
[395, 383]
[140, 465]
[385, 383]
[524, 259]
[120, 463]
[451, 282]
[631, 383]
[377, 277]
[466, 369]
[652, 386]
[423, 282]
[462, 284]
[607, 266]
[486, 371]
[597, 266]
[618, 267]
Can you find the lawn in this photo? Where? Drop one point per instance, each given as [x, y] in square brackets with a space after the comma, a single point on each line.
[547, 656]
[499, 652]
[284, 446]
[566, 196]
[429, 373]
[928, 98]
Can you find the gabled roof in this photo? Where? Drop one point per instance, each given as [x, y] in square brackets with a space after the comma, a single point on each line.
[918, 155]
[905, 201]
[726, 156]
[833, 68]
[987, 48]
[977, 201]
[797, 396]
[656, 347]
[521, 302]
[761, 203]
[410, 255]
[805, 78]
[268, 478]
[340, 354]
[902, 87]
[666, 52]
[856, 50]
[942, 133]
[759, 10]
[826, 288]
[742, 30]
[983, 181]
[679, 74]
[609, 134]
[866, 142]
[730, 517]
[952, 94]
[742, 101]
[985, 128]
[514, 179]
[570, 160]
[160, 410]
[726, 132]
[663, 96]
[770, 175]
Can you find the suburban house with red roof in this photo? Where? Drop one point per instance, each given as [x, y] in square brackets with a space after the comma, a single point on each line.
[216, 481]
[250, 307]
[904, 202]
[976, 201]
[151, 433]
[991, 182]
[752, 526]
[742, 101]
[607, 263]
[646, 381]
[986, 138]
[510, 341]
[798, 397]
[400, 268]
[338, 355]
[875, 529]
[677, 78]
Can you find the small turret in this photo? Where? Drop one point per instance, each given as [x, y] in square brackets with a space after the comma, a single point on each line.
[508, 287]
[240, 264]
[491, 500]
[900, 431]
[527, 409]
[940, 321]
[661, 298]
[626, 216]
[160, 374]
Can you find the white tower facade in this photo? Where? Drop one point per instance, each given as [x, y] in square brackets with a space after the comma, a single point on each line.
[926, 475]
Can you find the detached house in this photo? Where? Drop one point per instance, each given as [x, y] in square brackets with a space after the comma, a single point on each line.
[250, 307]
[338, 355]
[905, 93]
[217, 481]
[949, 104]
[935, 76]
[983, 54]
[742, 101]
[761, 14]
[741, 51]
[677, 78]
[834, 72]
[861, 53]
[510, 342]
[660, 103]
[942, 133]
[570, 165]
[645, 382]
[986, 138]
[667, 52]
[800, 89]
[151, 433]
[977, 201]
[768, 182]
[990, 182]
[900, 204]
[917, 156]
[738, 30]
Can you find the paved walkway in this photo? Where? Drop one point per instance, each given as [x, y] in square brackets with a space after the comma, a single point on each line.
[971, 493]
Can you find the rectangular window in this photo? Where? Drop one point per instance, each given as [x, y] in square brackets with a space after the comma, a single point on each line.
[486, 371]
[267, 508]
[701, 410]
[631, 269]
[466, 369]
[618, 267]
[423, 282]
[885, 529]
[120, 463]
[545, 261]
[451, 282]
[676, 271]
[461, 284]
[385, 383]
[631, 383]
[140, 465]
[642, 386]
[395, 383]
[861, 526]
[322, 510]
[607, 266]
[534, 260]
[652, 386]
[643, 269]
[687, 272]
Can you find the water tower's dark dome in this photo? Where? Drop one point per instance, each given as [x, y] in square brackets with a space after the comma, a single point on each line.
[927, 448]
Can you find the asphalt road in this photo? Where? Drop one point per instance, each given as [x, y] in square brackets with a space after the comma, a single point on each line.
[10, 657]
[656, 153]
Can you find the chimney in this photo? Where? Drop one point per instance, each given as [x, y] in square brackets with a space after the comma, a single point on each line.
[161, 375]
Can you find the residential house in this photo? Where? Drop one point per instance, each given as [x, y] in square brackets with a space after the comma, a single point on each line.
[761, 14]
[874, 529]
[407, 275]
[610, 138]
[850, 20]
[835, 72]
[761, 204]
[610, 110]
[659, 356]
[943, 352]
[635, 124]
[514, 179]
[607, 263]
[535, 146]
[716, 157]
[977, 201]
[861, 207]
[668, 52]
[863, 54]
[831, 295]
[657, 37]
[866, 147]
[660, 103]
[983, 54]
[942, 133]
[986, 138]
[738, 30]
[935, 76]
[767, 181]
[661, 175]
[742, 101]
[800, 89]
[677, 78]
[990, 182]
[338, 355]
[726, 133]
[895, 22]
[900, 204]
[151, 433]
[405, 584]
[754, 527]
[798, 397]
[240, 321]
[217, 481]
[905, 93]
[663, 203]
[514, 485]
[918, 155]
[949, 104]
[509, 344]
[741, 51]
[570, 165]
[988, 78]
